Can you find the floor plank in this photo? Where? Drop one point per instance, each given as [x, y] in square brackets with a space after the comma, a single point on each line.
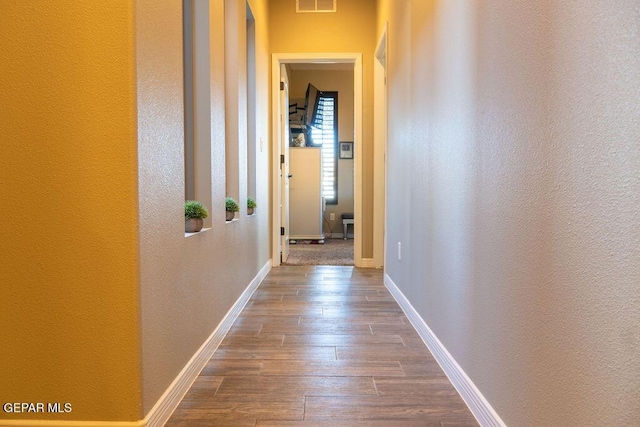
[322, 346]
[334, 368]
[297, 386]
[435, 409]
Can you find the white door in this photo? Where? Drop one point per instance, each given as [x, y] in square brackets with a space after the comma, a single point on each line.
[284, 164]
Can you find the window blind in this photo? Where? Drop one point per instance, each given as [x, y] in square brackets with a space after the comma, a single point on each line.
[325, 134]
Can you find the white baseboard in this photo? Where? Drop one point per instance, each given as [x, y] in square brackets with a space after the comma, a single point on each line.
[479, 406]
[170, 399]
[306, 237]
[59, 423]
[367, 262]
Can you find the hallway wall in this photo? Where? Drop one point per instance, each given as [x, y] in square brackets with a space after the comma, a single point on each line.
[513, 152]
[69, 233]
[189, 284]
[104, 299]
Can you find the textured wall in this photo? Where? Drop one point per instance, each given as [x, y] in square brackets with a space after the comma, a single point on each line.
[340, 81]
[513, 151]
[189, 284]
[350, 29]
[68, 274]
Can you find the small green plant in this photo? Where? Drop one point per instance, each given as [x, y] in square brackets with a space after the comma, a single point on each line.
[194, 209]
[231, 205]
[251, 203]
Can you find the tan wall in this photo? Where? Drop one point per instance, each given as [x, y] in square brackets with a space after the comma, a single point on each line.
[513, 150]
[340, 81]
[68, 236]
[351, 29]
[189, 284]
[104, 298]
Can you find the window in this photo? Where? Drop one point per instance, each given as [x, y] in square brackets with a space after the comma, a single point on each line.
[251, 103]
[325, 134]
[234, 105]
[197, 103]
[189, 161]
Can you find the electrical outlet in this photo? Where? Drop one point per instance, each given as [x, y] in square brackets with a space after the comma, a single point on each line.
[332, 216]
[399, 251]
[261, 145]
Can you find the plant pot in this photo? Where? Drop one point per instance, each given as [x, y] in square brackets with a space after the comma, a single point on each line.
[230, 215]
[250, 211]
[193, 225]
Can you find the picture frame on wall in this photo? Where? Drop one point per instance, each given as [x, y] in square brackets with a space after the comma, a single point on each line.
[346, 150]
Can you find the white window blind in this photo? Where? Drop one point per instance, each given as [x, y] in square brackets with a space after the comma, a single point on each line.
[325, 135]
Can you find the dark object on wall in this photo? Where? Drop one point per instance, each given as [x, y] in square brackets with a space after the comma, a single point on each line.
[346, 150]
[311, 99]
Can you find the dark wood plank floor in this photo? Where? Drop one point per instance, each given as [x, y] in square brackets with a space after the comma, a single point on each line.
[322, 346]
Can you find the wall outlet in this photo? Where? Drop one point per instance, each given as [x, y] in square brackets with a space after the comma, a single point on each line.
[261, 144]
[399, 251]
[332, 216]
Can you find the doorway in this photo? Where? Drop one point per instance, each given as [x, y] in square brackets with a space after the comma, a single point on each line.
[281, 146]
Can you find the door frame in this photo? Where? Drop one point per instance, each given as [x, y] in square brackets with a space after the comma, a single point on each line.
[283, 123]
[278, 59]
[380, 150]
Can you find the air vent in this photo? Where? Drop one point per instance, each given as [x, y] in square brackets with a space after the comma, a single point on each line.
[314, 6]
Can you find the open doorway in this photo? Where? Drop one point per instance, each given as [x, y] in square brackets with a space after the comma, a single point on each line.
[299, 64]
[321, 164]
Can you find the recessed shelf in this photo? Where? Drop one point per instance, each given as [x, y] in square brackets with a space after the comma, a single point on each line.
[197, 232]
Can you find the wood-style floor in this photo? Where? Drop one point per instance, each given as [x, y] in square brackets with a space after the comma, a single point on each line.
[322, 346]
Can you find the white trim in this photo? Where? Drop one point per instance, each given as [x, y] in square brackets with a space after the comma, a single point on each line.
[197, 232]
[303, 58]
[367, 263]
[358, 168]
[169, 401]
[306, 237]
[60, 423]
[171, 398]
[479, 406]
[276, 215]
[379, 148]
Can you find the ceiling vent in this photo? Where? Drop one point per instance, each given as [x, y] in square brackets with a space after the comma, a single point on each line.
[315, 6]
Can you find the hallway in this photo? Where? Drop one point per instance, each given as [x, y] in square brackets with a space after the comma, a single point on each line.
[322, 345]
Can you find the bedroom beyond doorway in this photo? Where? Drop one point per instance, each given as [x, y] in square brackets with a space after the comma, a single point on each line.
[332, 252]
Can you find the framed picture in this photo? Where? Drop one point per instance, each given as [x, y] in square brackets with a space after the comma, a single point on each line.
[346, 150]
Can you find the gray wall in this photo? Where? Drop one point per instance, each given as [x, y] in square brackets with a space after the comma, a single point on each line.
[514, 188]
[188, 284]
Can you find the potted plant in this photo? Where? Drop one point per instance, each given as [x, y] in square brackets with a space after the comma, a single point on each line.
[232, 207]
[251, 205]
[194, 213]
